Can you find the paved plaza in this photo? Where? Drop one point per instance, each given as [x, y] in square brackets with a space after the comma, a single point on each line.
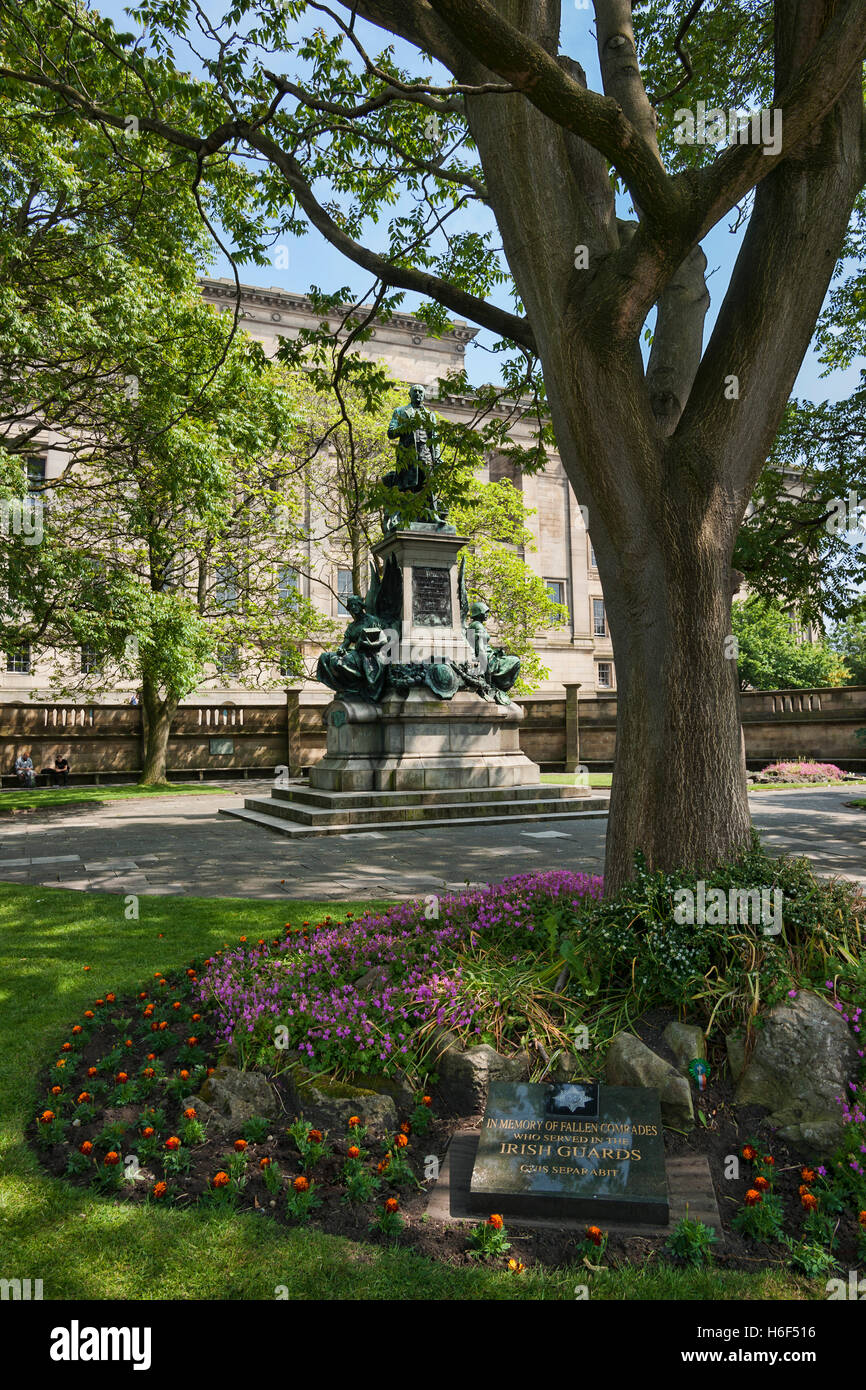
[179, 844]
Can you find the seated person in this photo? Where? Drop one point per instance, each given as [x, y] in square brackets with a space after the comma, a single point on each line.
[60, 770]
[24, 768]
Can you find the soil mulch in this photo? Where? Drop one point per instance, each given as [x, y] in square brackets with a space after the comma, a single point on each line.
[154, 1030]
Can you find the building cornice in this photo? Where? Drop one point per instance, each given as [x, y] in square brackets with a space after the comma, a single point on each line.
[281, 302]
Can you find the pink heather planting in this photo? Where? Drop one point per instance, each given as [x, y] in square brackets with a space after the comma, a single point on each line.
[311, 986]
[805, 772]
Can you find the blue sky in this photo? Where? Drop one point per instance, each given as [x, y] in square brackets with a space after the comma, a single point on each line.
[311, 260]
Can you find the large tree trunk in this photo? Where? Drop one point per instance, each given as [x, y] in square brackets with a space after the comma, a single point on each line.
[158, 715]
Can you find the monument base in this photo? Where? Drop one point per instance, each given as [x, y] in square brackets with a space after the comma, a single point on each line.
[420, 743]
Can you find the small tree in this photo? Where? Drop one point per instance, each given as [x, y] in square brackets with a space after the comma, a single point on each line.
[174, 551]
[771, 656]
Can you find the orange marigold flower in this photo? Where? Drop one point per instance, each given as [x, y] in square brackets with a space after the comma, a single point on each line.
[88, 1013]
[122, 1076]
[406, 1127]
[221, 1179]
[315, 1136]
[752, 1197]
[148, 1072]
[128, 1042]
[211, 1070]
[77, 1028]
[85, 1095]
[143, 994]
[384, 1164]
[56, 1090]
[189, 1113]
[176, 1004]
[110, 998]
[191, 974]
[264, 1163]
[810, 1201]
[768, 1158]
[516, 1266]
[86, 1147]
[749, 1153]
[354, 1151]
[46, 1117]
[93, 1071]
[762, 1183]
[301, 1184]
[392, 1204]
[807, 1174]
[196, 1017]
[160, 1189]
[426, 1100]
[353, 1121]
[67, 1047]
[496, 1222]
[61, 1062]
[151, 1056]
[242, 938]
[184, 1075]
[99, 1003]
[172, 1142]
[111, 1158]
[240, 1145]
[861, 1217]
[401, 1141]
[148, 1131]
[162, 1025]
[192, 1041]
[595, 1234]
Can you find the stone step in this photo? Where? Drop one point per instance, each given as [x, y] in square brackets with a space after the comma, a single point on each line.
[298, 830]
[327, 800]
[504, 805]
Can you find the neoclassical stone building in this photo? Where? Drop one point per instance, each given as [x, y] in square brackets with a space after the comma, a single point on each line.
[579, 652]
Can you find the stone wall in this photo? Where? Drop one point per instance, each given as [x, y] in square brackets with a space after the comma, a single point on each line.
[558, 732]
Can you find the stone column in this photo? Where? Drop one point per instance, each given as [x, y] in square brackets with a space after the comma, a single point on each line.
[294, 750]
[572, 736]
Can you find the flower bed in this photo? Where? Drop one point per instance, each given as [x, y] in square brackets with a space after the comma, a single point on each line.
[806, 772]
[356, 995]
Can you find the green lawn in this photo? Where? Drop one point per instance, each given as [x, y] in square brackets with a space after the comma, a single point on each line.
[570, 779]
[41, 797]
[85, 1246]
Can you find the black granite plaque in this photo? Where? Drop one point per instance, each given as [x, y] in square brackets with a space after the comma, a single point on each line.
[431, 596]
[534, 1160]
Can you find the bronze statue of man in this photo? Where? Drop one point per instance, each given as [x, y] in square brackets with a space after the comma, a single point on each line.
[413, 426]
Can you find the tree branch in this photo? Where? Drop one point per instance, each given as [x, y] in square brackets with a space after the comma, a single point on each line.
[450, 296]
[599, 120]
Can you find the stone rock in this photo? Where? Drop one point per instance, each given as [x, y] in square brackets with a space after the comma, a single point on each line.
[735, 1044]
[464, 1077]
[804, 1057]
[231, 1097]
[688, 1044]
[565, 1068]
[630, 1062]
[329, 1105]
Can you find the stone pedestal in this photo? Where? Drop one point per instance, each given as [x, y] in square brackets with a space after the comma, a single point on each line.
[431, 623]
[420, 743]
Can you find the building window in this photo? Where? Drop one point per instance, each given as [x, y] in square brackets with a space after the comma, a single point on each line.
[344, 590]
[35, 465]
[227, 661]
[604, 675]
[593, 562]
[599, 621]
[18, 660]
[90, 660]
[556, 590]
[290, 664]
[226, 588]
[288, 586]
